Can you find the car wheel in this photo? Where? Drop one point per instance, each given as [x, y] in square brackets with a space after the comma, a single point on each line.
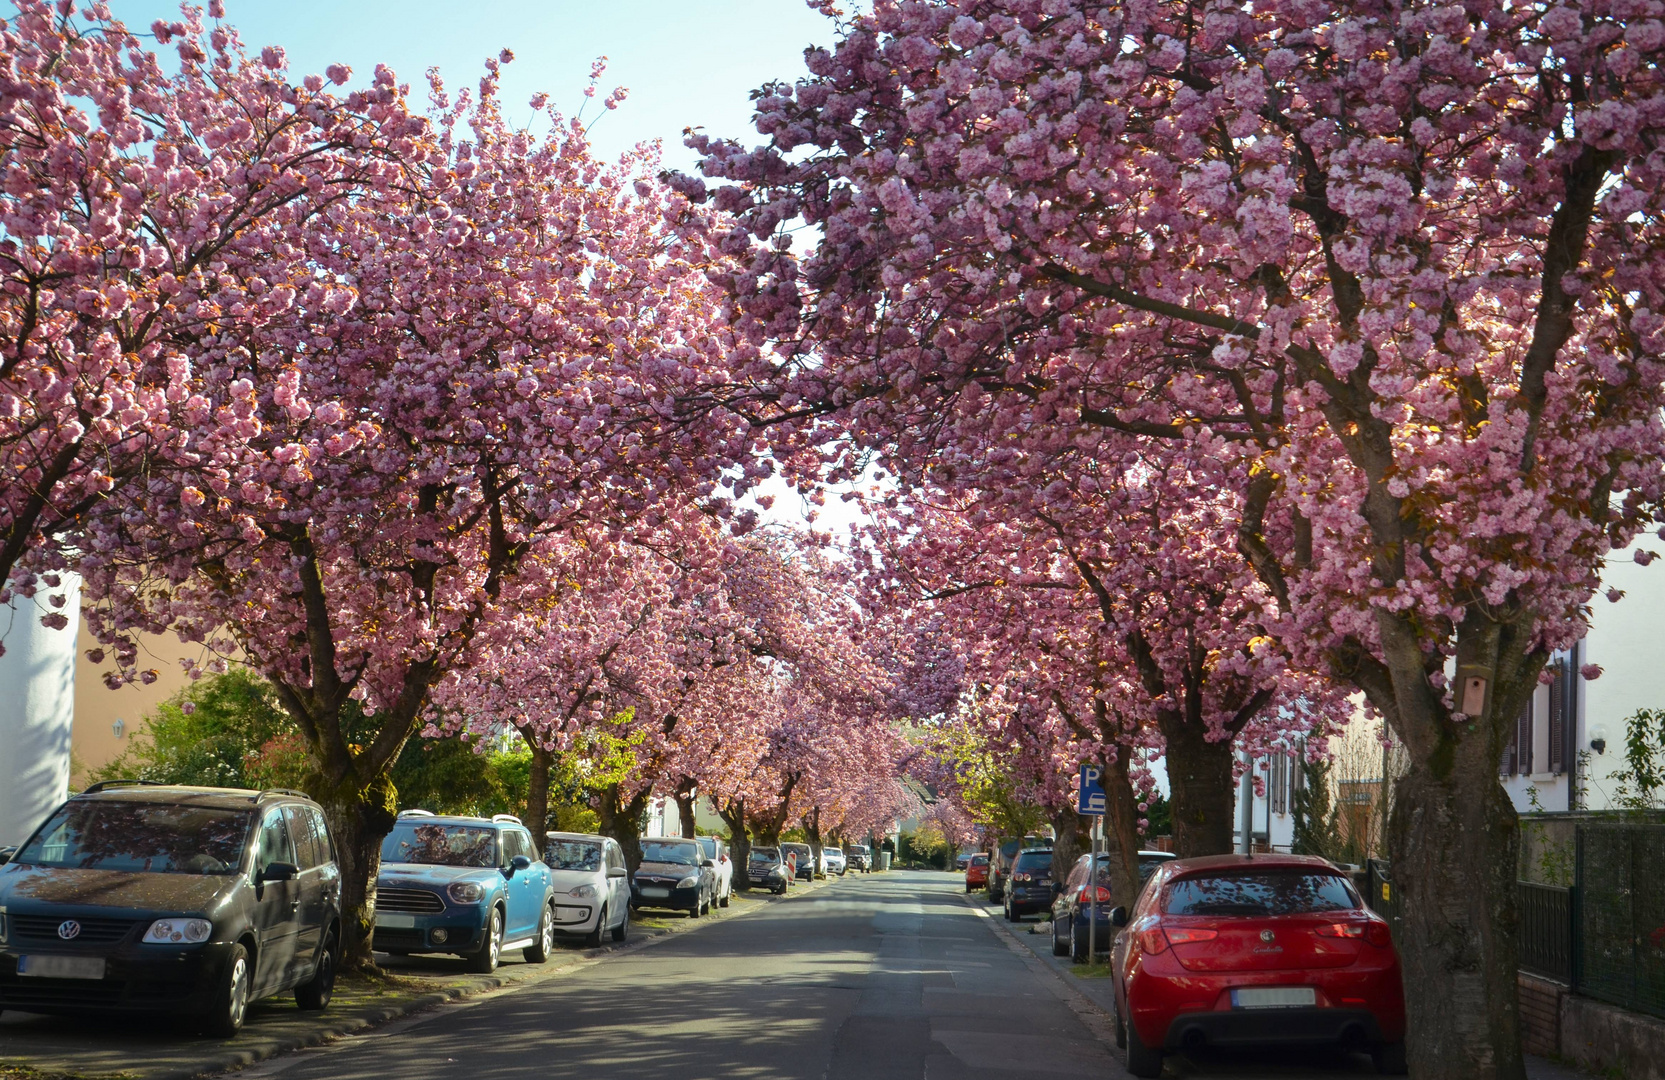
[484, 962]
[726, 898]
[314, 994]
[1060, 947]
[1011, 916]
[544, 943]
[231, 1000]
[1142, 1061]
[593, 938]
[1390, 1058]
[621, 932]
[697, 910]
[1078, 945]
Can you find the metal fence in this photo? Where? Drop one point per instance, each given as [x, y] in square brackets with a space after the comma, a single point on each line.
[1619, 915]
[1546, 930]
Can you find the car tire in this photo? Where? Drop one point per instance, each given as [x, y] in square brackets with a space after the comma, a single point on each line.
[1141, 1060]
[697, 910]
[1389, 1058]
[1011, 915]
[544, 943]
[726, 898]
[1060, 947]
[621, 932]
[1121, 1027]
[484, 961]
[1078, 946]
[231, 998]
[593, 938]
[314, 994]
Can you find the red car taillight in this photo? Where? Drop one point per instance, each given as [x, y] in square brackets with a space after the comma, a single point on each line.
[1379, 934]
[1187, 935]
[1342, 930]
[1153, 941]
[1087, 898]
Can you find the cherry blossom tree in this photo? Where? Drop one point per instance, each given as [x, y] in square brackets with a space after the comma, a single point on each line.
[143, 212]
[1400, 263]
[488, 367]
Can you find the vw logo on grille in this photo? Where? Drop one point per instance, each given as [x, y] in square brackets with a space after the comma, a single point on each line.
[1267, 935]
[69, 928]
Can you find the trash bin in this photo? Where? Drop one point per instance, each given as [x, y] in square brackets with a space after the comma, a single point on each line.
[884, 860]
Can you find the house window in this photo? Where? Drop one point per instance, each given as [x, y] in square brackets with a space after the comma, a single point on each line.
[1545, 729]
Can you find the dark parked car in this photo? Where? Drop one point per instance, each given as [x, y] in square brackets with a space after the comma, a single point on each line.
[674, 873]
[1000, 862]
[184, 901]
[766, 867]
[472, 887]
[805, 859]
[1030, 888]
[1073, 908]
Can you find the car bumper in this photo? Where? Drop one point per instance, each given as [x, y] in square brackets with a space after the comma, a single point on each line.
[1268, 1027]
[1028, 899]
[575, 917]
[681, 899]
[137, 979]
[454, 934]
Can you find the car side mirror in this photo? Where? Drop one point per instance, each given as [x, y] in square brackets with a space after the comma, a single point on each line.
[1118, 916]
[278, 871]
[708, 862]
[617, 872]
[6, 854]
[519, 863]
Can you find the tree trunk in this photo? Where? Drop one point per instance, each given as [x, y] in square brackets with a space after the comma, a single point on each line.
[1202, 791]
[1121, 830]
[1454, 840]
[623, 822]
[685, 807]
[537, 793]
[812, 826]
[359, 819]
[739, 843]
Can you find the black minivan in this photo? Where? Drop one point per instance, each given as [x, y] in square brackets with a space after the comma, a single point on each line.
[185, 901]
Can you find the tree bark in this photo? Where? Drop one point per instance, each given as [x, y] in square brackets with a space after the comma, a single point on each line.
[685, 807]
[537, 793]
[739, 842]
[812, 827]
[1202, 792]
[623, 822]
[1121, 831]
[359, 818]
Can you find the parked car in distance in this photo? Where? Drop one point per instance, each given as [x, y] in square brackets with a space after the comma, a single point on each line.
[1072, 909]
[1235, 950]
[804, 859]
[469, 886]
[835, 862]
[716, 849]
[766, 867]
[977, 872]
[858, 857]
[591, 885]
[1000, 862]
[963, 860]
[1030, 888]
[188, 902]
[674, 873]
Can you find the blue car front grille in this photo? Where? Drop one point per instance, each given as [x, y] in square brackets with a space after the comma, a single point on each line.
[408, 901]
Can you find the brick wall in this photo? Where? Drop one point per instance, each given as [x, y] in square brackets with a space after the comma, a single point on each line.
[1540, 1015]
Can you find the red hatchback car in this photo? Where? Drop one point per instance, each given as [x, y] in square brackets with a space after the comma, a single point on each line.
[977, 873]
[1235, 950]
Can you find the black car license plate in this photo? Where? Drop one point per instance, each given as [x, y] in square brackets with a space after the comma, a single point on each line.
[61, 967]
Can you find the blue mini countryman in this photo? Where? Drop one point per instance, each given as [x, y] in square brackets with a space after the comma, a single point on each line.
[466, 886]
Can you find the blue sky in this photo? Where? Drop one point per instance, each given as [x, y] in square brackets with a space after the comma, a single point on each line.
[692, 63]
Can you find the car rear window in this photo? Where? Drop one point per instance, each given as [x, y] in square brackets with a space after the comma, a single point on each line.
[1272, 892]
[1031, 862]
[141, 838]
[979, 860]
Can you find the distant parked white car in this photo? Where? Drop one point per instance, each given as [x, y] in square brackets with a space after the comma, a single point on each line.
[717, 851]
[592, 885]
[834, 861]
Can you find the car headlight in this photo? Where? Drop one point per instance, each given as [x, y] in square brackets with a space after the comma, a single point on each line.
[465, 892]
[582, 892]
[178, 931]
[688, 882]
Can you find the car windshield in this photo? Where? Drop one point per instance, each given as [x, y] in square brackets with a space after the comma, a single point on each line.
[1288, 892]
[660, 851]
[441, 845]
[762, 855]
[709, 846]
[140, 838]
[572, 855]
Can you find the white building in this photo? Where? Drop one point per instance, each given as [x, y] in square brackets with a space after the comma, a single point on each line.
[37, 709]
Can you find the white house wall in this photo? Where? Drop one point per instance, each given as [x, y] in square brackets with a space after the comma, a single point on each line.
[37, 712]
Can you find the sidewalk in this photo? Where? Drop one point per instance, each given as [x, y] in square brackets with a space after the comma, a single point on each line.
[1092, 988]
[99, 1047]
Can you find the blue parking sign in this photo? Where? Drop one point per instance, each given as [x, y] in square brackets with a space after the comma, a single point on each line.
[1089, 795]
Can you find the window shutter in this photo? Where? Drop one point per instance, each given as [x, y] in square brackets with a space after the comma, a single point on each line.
[1523, 741]
[1562, 693]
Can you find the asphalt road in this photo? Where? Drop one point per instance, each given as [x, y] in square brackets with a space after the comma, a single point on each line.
[883, 977]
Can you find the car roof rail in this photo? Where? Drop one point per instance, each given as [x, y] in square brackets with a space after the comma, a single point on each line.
[416, 813]
[510, 818]
[281, 791]
[106, 785]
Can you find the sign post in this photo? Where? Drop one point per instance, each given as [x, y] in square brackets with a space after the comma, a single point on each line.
[1089, 800]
